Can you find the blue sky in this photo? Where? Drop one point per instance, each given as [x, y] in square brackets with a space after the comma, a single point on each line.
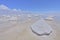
[33, 5]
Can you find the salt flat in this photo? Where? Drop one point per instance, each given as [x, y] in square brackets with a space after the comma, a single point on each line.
[56, 27]
[19, 30]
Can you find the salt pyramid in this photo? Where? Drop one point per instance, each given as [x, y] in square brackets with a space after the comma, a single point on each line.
[41, 28]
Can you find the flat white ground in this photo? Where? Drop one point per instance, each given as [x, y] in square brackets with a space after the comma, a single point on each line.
[21, 31]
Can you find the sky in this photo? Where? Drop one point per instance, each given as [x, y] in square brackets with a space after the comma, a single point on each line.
[40, 6]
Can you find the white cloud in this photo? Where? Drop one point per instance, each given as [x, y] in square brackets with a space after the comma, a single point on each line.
[6, 10]
[4, 7]
[14, 9]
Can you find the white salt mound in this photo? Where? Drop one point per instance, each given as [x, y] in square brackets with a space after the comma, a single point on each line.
[50, 18]
[41, 28]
